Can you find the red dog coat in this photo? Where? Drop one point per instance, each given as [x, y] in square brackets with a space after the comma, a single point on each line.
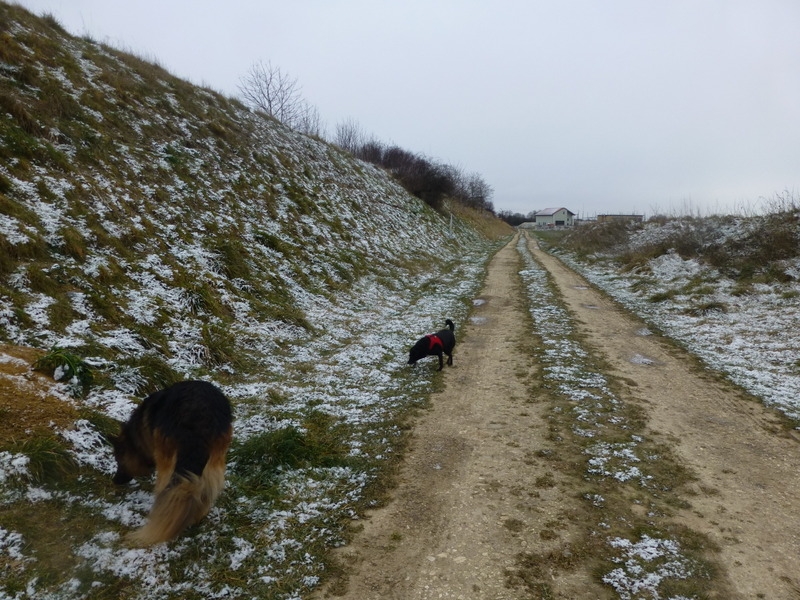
[434, 341]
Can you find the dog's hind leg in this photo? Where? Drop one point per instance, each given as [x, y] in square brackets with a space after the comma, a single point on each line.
[165, 454]
[212, 481]
[186, 497]
[175, 509]
[178, 495]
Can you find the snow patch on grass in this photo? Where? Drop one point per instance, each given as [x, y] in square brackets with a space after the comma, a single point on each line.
[752, 339]
[644, 565]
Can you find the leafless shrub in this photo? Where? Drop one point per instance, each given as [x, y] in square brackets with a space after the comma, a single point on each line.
[371, 151]
[309, 122]
[597, 237]
[429, 180]
[512, 218]
[267, 89]
[477, 192]
[782, 203]
[349, 136]
[270, 90]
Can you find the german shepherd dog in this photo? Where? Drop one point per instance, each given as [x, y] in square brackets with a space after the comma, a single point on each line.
[183, 433]
[435, 344]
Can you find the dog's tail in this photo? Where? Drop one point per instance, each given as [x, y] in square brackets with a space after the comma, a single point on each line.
[185, 498]
[449, 323]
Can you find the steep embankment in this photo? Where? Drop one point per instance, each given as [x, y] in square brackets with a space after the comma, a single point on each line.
[150, 231]
[138, 204]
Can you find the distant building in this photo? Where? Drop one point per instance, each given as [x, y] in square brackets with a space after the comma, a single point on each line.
[554, 217]
[609, 218]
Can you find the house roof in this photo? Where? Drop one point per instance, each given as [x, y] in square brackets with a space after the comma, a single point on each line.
[547, 212]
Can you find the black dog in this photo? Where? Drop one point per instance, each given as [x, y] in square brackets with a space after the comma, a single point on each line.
[435, 344]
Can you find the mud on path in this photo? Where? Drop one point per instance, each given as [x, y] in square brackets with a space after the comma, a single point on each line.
[474, 496]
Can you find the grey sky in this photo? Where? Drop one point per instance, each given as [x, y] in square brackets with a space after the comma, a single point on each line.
[606, 106]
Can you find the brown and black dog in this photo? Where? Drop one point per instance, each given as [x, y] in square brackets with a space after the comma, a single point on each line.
[183, 433]
[435, 344]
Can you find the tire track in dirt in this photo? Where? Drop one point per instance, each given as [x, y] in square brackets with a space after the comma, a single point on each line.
[747, 494]
[472, 494]
[475, 497]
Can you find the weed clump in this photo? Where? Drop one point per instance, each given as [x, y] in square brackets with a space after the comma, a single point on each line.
[755, 251]
[316, 444]
[65, 366]
[48, 459]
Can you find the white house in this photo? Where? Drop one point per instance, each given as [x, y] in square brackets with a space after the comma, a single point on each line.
[554, 217]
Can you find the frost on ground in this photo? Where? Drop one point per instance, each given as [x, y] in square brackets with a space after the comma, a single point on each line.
[13, 465]
[282, 269]
[354, 371]
[751, 337]
[615, 452]
[644, 565]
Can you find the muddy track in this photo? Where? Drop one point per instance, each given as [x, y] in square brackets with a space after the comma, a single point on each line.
[475, 497]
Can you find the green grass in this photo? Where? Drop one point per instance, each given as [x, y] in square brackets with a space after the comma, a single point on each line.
[153, 368]
[53, 528]
[705, 308]
[317, 444]
[221, 346]
[49, 460]
[663, 296]
[13, 255]
[68, 365]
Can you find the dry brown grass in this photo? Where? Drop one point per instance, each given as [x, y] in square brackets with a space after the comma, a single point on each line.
[27, 403]
[485, 222]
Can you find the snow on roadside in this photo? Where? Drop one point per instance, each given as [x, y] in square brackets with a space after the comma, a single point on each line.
[645, 562]
[644, 565]
[752, 337]
[358, 374]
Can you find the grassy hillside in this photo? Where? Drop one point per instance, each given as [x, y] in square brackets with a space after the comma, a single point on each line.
[152, 231]
[140, 202]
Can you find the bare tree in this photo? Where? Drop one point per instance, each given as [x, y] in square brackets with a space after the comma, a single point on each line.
[479, 192]
[308, 121]
[267, 88]
[349, 136]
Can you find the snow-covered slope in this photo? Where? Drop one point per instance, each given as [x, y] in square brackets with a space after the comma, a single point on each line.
[159, 231]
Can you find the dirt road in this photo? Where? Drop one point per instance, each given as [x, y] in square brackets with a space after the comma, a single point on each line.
[747, 496]
[479, 511]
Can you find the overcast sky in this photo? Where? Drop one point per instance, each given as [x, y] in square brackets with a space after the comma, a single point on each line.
[599, 106]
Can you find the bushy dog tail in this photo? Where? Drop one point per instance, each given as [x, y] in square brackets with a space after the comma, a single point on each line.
[449, 323]
[184, 501]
